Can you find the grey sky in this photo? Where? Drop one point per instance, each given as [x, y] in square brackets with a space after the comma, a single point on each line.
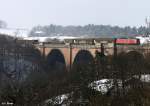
[28, 13]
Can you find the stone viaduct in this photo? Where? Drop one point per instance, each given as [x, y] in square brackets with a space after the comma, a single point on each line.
[71, 48]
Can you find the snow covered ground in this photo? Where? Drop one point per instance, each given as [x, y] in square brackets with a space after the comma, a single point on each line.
[144, 39]
[14, 32]
[145, 78]
[102, 85]
[58, 100]
[24, 34]
[45, 39]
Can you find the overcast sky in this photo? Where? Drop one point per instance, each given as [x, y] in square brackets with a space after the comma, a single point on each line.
[28, 13]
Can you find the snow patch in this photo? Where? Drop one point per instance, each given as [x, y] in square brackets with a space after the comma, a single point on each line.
[58, 100]
[145, 78]
[102, 85]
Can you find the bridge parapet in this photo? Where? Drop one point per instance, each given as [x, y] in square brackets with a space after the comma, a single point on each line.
[90, 41]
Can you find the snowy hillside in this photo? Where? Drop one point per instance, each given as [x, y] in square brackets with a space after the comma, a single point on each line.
[24, 34]
[14, 32]
[44, 39]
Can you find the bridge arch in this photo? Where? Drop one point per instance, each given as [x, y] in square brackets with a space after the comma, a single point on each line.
[55, 60]
[135, 62]
[131, 56]
[135, 57]
[36, 54]
[83, 57]
[35, 58]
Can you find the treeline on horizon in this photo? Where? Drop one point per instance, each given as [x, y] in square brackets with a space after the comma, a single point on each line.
[89, 30]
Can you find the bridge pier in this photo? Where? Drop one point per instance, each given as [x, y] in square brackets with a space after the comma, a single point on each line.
[70, 65]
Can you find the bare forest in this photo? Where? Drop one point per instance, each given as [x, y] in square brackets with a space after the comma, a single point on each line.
[28, 79]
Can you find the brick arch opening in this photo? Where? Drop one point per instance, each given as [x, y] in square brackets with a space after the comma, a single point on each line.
[36, 54]
[131, 53]
[56, 60]
[35, 57]
[131, 56]
[135, 55]
[130, 64]
[83, 57]
[135, 62]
